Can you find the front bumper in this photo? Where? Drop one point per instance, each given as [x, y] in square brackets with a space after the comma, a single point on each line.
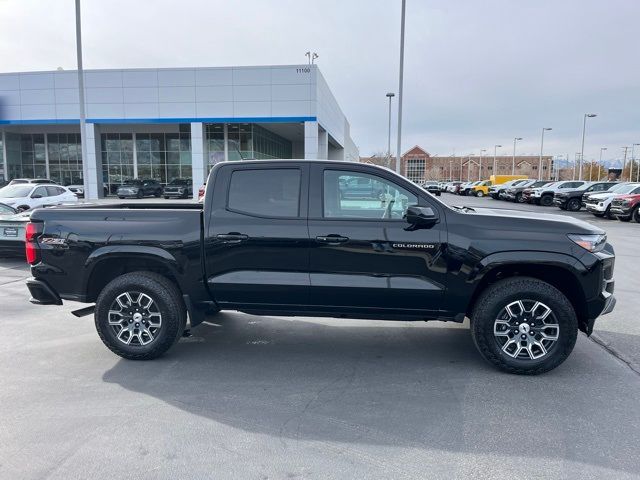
[604, 302]
[594, 207]
[42, 293]
[621, 211]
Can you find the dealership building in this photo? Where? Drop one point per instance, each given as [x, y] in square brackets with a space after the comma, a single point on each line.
[165, 123]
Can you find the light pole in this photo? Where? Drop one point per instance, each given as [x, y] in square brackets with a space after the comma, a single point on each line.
[450, 168]
[400, 82]
[83, 117]
[390, 95]
[633, 160]
[495, 151]
[602, 149]
[584, 128]
[480, 165]
[575, 164]
[544, 129]
[513, 157]
[624, 162]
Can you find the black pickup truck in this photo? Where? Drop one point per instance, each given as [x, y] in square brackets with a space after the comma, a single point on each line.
[283, 238]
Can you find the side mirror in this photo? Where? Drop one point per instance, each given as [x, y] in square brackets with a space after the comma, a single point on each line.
[421, 217]
[36, 196]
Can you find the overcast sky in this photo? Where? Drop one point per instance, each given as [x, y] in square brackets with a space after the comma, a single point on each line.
[477, 73]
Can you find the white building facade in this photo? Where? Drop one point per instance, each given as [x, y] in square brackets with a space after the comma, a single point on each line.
[165, 123]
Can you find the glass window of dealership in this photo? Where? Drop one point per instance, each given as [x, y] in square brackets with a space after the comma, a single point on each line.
[125, 155]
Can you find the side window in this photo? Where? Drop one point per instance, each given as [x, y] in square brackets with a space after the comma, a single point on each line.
[53, 191]
[42, 191]
[265, 192]
[360, 195]
[601, 187]
[637, 190]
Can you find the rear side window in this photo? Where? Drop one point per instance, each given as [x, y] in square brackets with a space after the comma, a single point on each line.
[273, 192]
[54, 191]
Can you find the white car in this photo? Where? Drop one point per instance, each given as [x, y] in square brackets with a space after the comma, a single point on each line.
[28, 196]
[544, 195]
[600, 203]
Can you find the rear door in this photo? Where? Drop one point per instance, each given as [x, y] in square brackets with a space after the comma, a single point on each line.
[363, 256]
[256, 242]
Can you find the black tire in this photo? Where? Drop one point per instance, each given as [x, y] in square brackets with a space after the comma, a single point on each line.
[496, 297]
[519, 198]
[607, 214]
[158, 193]
[121, 198]
[140, 194]
[166, 198]
[438, 194]
[546, 200]
[624, 219]
[573, 205]
[636, 214]
[169, 304]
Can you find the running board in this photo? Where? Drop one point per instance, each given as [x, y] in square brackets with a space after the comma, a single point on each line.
[83, 312]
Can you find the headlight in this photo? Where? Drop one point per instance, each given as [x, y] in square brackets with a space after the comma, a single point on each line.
[593, 243]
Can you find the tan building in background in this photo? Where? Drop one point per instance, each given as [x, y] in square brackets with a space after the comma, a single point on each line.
[418, 165]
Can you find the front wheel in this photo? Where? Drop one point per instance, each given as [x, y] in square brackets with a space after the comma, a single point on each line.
[546, 200]
[573, 205]
[479, 194]
[524, 325]
[519, 198]
[636, 214]
[140, 315]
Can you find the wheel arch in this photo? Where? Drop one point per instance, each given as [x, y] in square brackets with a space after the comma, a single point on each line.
[107, 263]
[560, 271]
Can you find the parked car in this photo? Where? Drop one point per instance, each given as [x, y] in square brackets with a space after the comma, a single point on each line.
[431, 187]
[572, 200]
[262, 243]
[495, 191]
[179, 188]
[140, 189]
[17, 181]
[626, 207]
[27, 196]
[12, 230]
[544, 195]
[514, 193]
[600, 203]
[481, 189]
[453, 187]
[466, 188]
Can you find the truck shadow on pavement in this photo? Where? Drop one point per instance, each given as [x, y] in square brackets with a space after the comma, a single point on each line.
[394, 385]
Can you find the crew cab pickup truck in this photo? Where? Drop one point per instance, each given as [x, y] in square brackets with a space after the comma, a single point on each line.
[286, 237]
[626, 207]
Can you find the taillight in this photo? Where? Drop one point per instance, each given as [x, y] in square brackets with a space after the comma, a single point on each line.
[33, 231]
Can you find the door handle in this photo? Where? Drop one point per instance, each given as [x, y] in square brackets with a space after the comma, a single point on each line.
[333, 238]
[232, 237]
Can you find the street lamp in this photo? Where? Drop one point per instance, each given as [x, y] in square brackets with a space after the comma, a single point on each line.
[400, 85]
[495, 150]
[390, 95]
[602, 149]
[480, 166]
[584, 127]
[544, 129]
[513, 157]
[633, 159]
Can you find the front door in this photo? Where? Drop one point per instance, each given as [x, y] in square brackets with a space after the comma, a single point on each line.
[256, 241]
[363, 256]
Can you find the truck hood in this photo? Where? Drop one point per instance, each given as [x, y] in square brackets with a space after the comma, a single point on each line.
[565, 223]
[602, 196]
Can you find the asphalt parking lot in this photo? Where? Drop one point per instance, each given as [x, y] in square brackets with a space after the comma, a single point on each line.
[270, 397]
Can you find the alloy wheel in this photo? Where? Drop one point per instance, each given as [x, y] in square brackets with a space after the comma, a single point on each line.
[526, 330]
[135, 318]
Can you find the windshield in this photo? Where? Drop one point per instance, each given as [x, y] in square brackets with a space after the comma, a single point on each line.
[4, 209]
[178, 181]
[133, 182]
[626, 188]
[15, 191]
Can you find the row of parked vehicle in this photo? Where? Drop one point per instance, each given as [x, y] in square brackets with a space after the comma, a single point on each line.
[608, 199]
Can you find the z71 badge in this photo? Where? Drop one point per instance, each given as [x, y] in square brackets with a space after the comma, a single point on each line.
[53, 241]
[418, 246]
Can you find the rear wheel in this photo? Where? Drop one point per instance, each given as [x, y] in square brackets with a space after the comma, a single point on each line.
[624, 219]
[524, 325]
[546, 200]
[140, 194]
[519, 198]
[573, 205]
[636, 214]
[479, 193]
[140, 315]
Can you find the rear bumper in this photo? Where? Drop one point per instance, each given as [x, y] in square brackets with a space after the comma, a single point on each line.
[14, 248]
[42, 293]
